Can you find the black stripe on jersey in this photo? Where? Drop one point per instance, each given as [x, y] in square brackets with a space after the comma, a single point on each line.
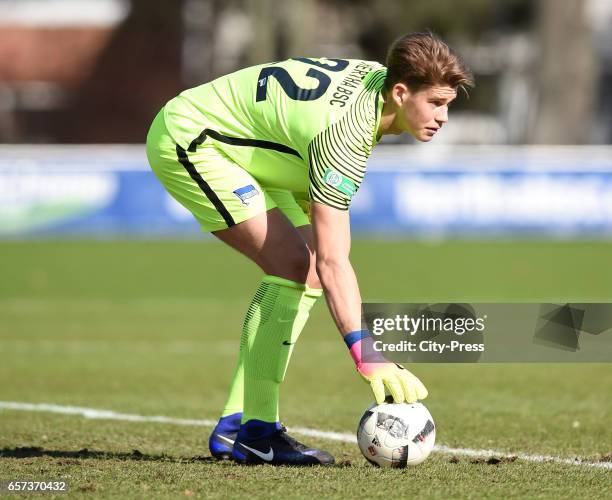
[375, 82]
[340, 160]
[315, 173]
[376, 104]
[342, 148]
[345, 145]
[351, 158]
[329, 198]
[239, 141]
[316, 195]
[204, 186]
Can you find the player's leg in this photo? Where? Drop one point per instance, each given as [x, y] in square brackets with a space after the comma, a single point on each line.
[272, 326]
[298, 261]
[295, 261]
[275, 245]
[279, 252]
[270, 241]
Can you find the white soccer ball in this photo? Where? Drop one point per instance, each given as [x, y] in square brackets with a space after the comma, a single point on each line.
[396, 435]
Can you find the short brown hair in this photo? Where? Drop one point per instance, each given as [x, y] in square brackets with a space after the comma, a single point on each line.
[422, 60]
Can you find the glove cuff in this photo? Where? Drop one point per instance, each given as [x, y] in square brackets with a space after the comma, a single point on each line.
[360, 344]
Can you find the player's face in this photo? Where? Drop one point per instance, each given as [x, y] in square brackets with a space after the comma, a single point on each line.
[422, 113]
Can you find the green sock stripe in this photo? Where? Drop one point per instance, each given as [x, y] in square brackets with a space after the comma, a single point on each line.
[259, 311]
[235, 399]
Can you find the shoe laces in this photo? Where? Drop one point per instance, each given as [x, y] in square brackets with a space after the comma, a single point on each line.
[292, 441]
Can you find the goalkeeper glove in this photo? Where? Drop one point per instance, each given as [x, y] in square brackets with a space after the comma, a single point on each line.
[381, 373]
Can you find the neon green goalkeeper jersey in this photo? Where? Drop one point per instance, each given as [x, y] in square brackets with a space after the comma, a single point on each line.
[305, 125]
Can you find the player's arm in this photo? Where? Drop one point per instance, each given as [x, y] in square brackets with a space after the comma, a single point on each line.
[337, 167]
[331, 228]
[332, 236]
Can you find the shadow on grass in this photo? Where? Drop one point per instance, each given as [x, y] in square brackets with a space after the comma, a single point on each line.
[31, 452]
[72, 457]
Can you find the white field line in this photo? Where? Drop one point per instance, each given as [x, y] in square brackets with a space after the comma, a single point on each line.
[345, 437]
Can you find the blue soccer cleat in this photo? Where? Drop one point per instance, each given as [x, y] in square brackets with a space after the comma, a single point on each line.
[221, 441]
[260, 442]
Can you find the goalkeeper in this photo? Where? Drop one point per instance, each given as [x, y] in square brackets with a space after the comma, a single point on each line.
[268, 159]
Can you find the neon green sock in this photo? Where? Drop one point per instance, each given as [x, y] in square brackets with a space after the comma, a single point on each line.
[273, 323]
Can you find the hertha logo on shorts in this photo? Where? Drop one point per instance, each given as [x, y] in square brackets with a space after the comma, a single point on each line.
[245, 193]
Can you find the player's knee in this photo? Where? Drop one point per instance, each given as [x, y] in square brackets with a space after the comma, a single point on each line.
[292, 264]
[298, 263]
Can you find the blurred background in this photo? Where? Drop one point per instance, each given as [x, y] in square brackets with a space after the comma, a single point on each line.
[527, 153]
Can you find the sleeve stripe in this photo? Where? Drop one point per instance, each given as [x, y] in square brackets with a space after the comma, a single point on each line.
[342, 160]
[326, 201]
[345, 146]
[352, 139]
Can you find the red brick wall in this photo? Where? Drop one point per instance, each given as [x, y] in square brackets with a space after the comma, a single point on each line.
[113, 80]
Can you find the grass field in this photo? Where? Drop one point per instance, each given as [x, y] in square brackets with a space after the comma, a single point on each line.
[151, 328]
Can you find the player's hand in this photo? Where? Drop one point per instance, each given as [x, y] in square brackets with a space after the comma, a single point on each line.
[400, 383]
[380, 373]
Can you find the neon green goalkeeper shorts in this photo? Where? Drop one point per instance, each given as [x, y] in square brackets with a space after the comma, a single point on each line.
[217, 191]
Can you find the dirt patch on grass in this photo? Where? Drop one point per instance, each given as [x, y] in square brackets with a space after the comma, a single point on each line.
[494, 460]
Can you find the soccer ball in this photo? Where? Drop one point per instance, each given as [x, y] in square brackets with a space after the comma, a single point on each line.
[396, 435]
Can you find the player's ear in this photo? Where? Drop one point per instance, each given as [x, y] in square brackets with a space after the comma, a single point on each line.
[399, 94]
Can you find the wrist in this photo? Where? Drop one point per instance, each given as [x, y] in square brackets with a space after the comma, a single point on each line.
[351, 338]
[355, 343]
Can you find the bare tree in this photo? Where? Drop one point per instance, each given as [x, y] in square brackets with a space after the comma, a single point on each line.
[566, 74]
